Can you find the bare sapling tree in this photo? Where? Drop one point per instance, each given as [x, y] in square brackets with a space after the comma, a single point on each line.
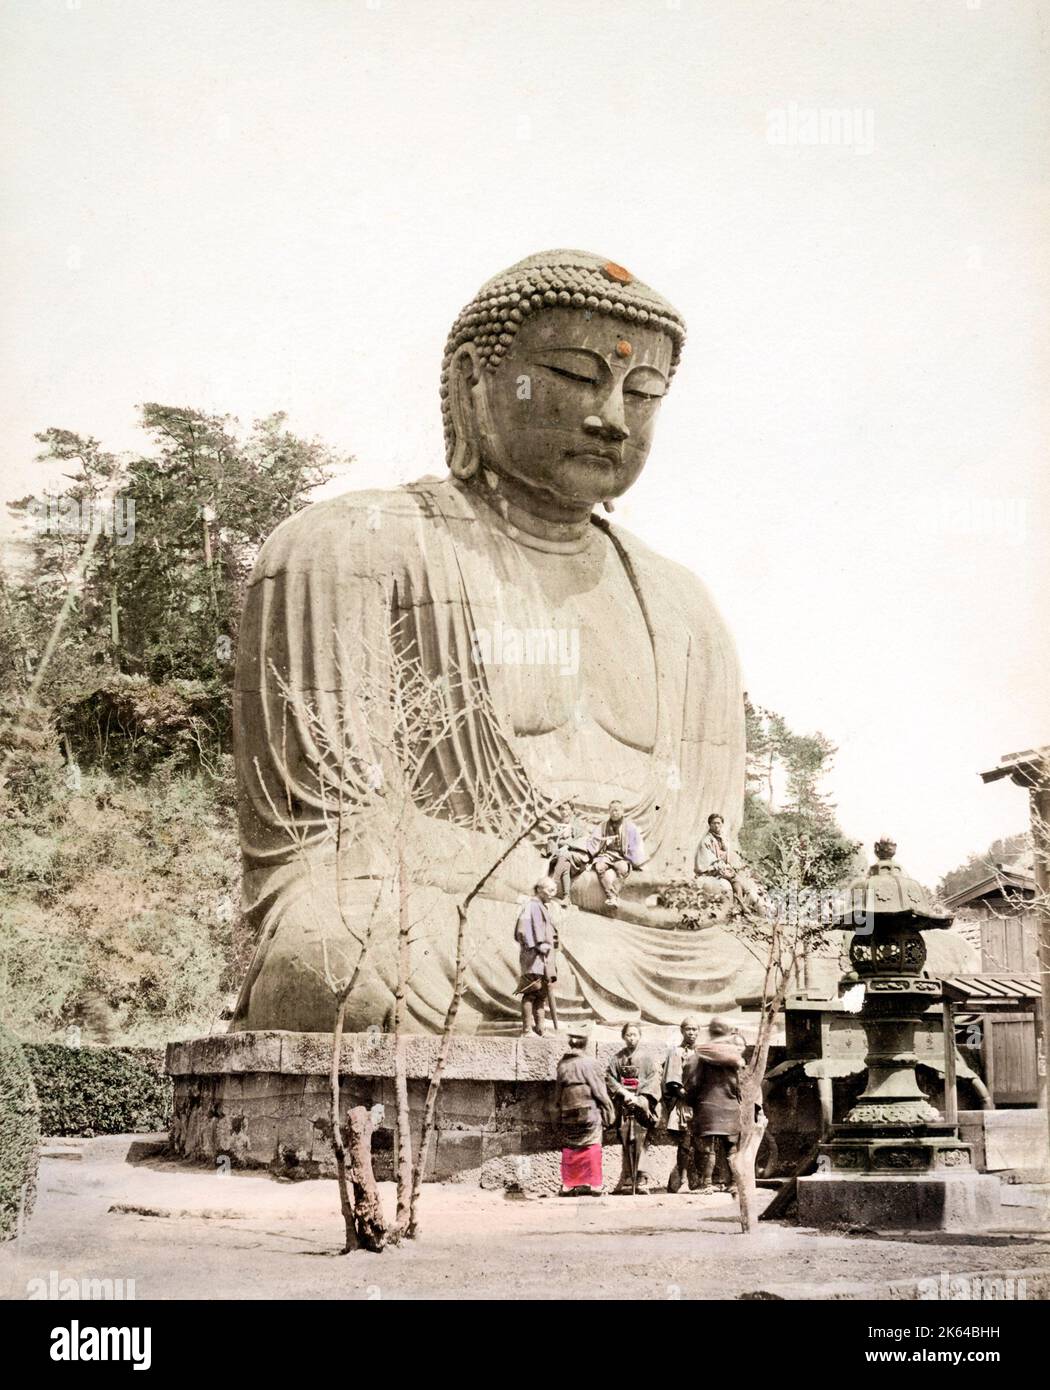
[391, 815]
[791, 924]
[537, 818]
[341, 795]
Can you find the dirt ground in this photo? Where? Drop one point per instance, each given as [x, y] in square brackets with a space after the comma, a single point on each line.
[192, 1233]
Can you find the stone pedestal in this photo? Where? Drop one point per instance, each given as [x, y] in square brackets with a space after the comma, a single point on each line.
[1011, 1142]
[906, 1177]
[262, 1100]
[936, 1200]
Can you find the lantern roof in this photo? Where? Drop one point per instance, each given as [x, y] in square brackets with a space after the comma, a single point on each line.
[886, 893]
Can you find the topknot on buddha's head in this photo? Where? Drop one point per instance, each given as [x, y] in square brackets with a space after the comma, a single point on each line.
[570, 279]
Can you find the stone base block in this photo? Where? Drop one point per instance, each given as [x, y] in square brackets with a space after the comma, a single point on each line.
[1008, 1141]
[262, 1100]
[935, 1147]
[935, 1201]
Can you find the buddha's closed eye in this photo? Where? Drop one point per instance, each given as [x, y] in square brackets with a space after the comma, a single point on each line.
[571, 376]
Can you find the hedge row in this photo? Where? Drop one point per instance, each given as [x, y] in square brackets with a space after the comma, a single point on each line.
[100, 1090]
[19, 1135]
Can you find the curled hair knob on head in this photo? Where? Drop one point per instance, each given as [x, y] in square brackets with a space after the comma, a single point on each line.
[568, 279]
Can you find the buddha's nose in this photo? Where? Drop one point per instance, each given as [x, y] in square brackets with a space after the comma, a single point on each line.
[610, 424]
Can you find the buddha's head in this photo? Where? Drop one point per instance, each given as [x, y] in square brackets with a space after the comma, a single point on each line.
[553, 377]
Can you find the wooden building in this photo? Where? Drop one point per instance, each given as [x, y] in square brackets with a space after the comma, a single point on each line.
[1001, 908]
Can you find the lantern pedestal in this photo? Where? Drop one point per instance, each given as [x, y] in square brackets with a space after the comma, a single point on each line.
[894, 1163]
[938, 1200]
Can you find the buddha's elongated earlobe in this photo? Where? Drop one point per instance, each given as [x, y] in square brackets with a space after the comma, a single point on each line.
[465, 458]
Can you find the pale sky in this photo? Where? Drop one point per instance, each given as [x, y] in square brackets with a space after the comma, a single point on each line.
[283, 204]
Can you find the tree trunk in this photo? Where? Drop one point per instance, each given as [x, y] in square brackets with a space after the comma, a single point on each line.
[345, 1204]
[742, 1163]
[114, 622]
[368, 1210]
[363, 1215]
[742, 1166]
[430, 1105]
[403, 1115]
[458, 986]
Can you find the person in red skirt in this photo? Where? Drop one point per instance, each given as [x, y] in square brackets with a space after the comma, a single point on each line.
[584, 1108]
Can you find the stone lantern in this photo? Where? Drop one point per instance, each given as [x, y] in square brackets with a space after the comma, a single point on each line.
[893, 1161]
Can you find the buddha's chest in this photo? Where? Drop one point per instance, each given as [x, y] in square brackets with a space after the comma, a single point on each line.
[569, 651]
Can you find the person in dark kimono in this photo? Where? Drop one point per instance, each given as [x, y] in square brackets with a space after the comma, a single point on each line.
[537, 939]
[681, 1062]
[616, 849]
[633, 1081]
[584, 1109]
[567, 852]
[714, 1092]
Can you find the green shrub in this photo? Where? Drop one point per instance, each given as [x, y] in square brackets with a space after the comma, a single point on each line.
[100, 1090]
[137, 726]
[118, 910]
[19, 1135]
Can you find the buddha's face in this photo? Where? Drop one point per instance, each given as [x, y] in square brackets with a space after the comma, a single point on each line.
[571, 410]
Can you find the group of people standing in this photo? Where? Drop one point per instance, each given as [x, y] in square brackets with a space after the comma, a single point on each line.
[696, 1084]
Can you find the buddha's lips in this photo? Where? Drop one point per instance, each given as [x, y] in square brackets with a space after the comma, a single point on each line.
[608, 455]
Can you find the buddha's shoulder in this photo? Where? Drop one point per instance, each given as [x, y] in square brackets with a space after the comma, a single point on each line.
[680, 591]
[375, 524]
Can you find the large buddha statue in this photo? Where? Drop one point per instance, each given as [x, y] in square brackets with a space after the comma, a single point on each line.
[551, 386]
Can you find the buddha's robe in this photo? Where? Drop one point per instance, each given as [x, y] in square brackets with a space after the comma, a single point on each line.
[648, 711]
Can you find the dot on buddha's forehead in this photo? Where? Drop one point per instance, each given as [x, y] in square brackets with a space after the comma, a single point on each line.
[623, 348]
